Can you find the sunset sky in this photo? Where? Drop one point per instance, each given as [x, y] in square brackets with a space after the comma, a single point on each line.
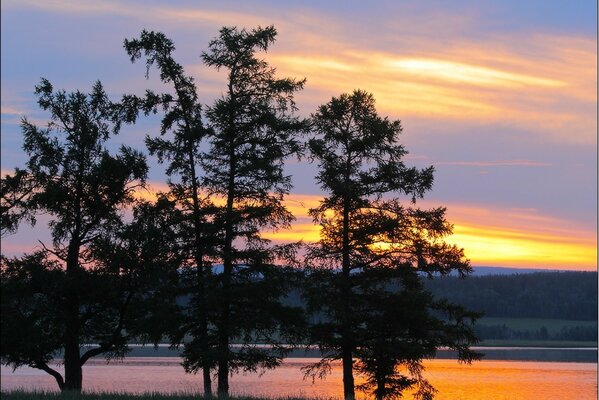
[500, 96]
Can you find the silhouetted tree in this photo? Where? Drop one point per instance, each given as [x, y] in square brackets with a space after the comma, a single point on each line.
[15, 191]
[77, 182]
[370, 241]
[253, 133]
[145, 254]
[183, 119]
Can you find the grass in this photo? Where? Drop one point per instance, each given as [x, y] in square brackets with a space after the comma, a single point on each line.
[23, 395]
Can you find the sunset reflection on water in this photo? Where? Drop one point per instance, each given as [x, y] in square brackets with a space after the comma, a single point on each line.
[485, 380]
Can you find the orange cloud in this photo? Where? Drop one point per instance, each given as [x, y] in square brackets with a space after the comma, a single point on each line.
[491, 236]
[544, 92]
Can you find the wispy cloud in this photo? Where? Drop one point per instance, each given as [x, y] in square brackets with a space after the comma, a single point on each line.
[543, 93]
[12, 111]
[506, 163]
[142, 11]
[544, 83]
[464, 73]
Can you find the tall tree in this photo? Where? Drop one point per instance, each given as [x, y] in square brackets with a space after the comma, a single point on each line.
[182, 151]
[370, 240]
[253, 133]
[83, 187]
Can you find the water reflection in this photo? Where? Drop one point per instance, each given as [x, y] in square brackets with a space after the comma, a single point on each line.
[489, 379]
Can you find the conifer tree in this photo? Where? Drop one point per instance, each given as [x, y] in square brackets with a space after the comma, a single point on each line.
[365, 270]
[182, 151]
[58, 295]
[254, 131]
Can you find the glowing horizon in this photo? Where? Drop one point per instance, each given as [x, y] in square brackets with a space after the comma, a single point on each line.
[516, 238]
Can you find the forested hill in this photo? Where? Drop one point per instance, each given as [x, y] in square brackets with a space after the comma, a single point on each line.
[555, 295]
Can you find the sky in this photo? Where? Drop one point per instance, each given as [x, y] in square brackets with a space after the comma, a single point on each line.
[500, 97]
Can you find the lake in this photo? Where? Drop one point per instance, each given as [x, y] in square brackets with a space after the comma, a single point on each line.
[489, 379]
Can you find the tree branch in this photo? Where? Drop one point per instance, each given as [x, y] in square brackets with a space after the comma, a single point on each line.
[52, 251]
[44, 367]
[93, 352]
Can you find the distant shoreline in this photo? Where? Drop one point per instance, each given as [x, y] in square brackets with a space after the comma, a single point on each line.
[550, 351]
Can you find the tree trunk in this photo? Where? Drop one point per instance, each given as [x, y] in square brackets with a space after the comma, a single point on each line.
[223, 334]
[348, 377]
[59, 379]
[72, 358]
[346, 327]
[73, 376]
[223, 337]
[199, 261]
[347, 339]
[207, 382]
[379, 392]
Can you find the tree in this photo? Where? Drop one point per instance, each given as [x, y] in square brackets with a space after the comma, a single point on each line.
[370, 241]
[74, 179]
[253, 133]
[15, 191]
[183, 119]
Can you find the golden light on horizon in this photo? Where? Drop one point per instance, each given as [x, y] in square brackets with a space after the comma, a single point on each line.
[518, 238]
[489, 246]
[502, 247]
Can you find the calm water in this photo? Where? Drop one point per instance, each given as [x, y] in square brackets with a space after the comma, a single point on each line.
[485, 380]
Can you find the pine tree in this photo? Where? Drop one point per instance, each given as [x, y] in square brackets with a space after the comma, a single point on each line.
[183, 120]
[254, 131]
[370, 241]
[75, 180]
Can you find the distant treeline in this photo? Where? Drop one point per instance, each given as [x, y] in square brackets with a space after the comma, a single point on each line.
[555, 295]
[504, 332]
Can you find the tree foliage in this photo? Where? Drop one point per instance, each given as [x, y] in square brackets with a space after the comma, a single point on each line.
[370, 240]
[182, 151]
[15, 191]
[254, 131]
[83, 188]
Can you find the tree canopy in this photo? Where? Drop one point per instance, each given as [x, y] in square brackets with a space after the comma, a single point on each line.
[72, 177]
[254, 130]
[370, 240]
[183, 153]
